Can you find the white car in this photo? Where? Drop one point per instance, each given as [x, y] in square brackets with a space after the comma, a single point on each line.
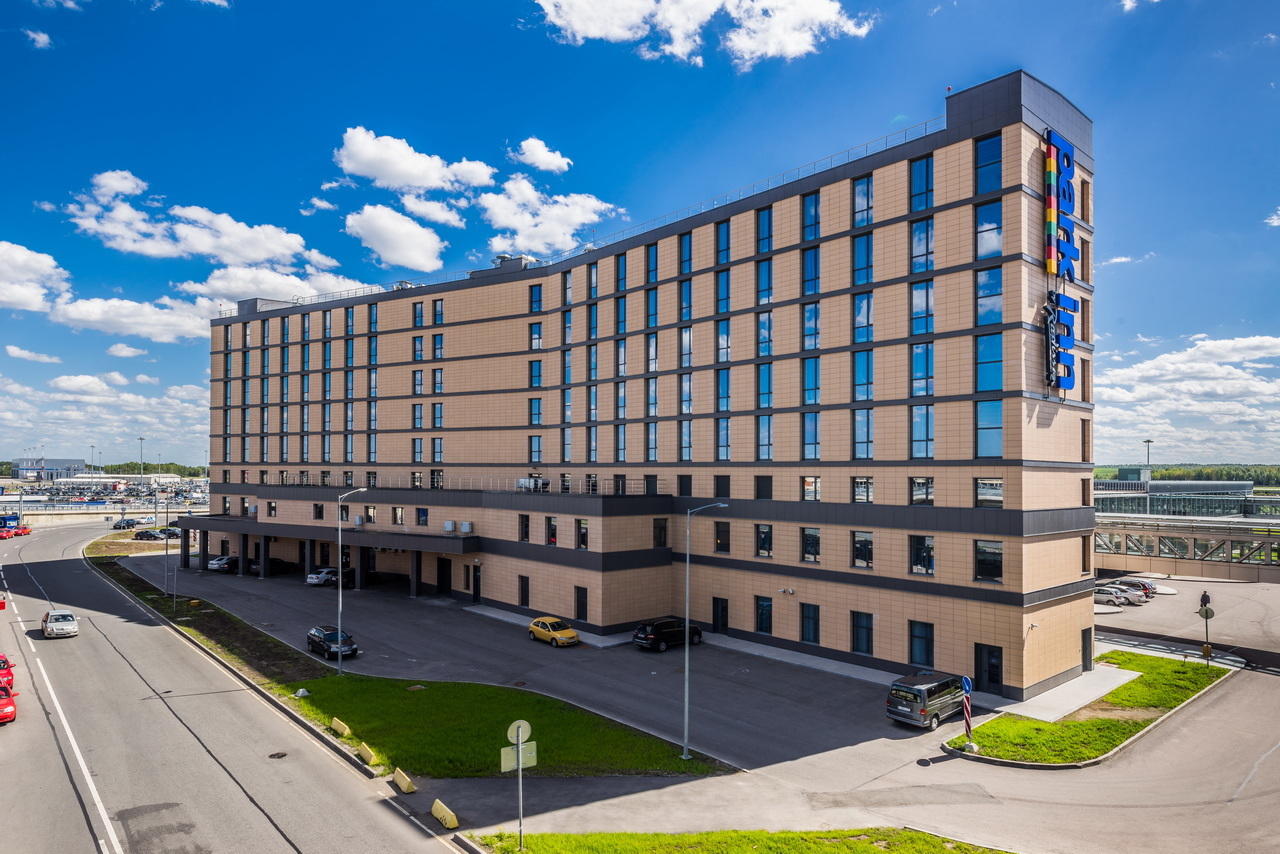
[59, 624]
[1118, 596]
[323, 575]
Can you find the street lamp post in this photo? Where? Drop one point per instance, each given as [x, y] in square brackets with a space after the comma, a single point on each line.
[140, 441]
[1148, 442]
[341, 498]
[688, 549]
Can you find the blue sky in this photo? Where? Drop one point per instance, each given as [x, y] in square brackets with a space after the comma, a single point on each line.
[168, 158]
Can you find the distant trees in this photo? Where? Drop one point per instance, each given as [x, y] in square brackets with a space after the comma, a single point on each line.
[155, 468]
[1260, 475]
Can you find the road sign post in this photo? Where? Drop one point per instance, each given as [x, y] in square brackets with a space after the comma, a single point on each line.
[1206, 652]
[967, 684]
[524, 754]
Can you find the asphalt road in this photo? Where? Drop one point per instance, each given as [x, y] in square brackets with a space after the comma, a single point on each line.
[130, 740]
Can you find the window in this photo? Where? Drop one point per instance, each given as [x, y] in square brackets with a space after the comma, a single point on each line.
[437, 311]
[722, 291]
[986, 166]
[684, 485]
[593, 403]
[437, 381]
[722, 537]
[317, 511]
[764, 487]
[566, 366]
[684, 252]
[764, 385]
[863, 260]
[862, 202]
[651, 441]
[764, 282]
[620, 443]
[271, 508]
[420, 514]
[764, 437]
[535, 410]
[920, 554]
[535, 449]
[566, 454]
[809, 628]
[620, 272]
[989, 492]
[659, 533]
[988, 560]
[862, 555]
[921, 369]
[620, 358]
[686, 348]
[620, 400]
[764, 614]
[811, 336]
[922, 183]
[437, 415]
[922, 432]
[566, 287]
[419, 318]
[417, 416]
[863, 327]
[722, 439]
[650, 308]
[722, 340]
[722, 242]
[764, 333]
[620, 315]
[810, 545]
[686, 440]
[535, 373]
[593, 321]
[921, 643]
[863, 434]
[535, 336]
[566, 325]
[764, 540]
[922, 246]
[651, 350]
[535, 303]
[566, 406]
[437, 346]
[811, 431]
[686, 299]
[593, 361]
[418, 351]
[437, 450]
[810, 488]
[921, 490]
[864, 387]
[863, 489]
[989, 355]
[811, 370]
[417, 450]
[764, 230]
[860, 632]
[989, 291]
[593, 280]
[651, 397]
[990, 428]
[651, 263]
[921, 308]
[550, 531]
[811, 212]
[722, 390]
[580, 541]
[989, 219]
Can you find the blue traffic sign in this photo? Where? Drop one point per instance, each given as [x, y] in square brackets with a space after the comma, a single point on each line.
[967, 683]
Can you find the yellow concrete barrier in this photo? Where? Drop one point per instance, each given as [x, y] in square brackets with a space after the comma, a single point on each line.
[366, 753]
[446, 816]
[339, 727]
[402, 780]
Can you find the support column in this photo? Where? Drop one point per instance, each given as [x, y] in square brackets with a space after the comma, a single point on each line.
[415, 574]
[204, 551]
[184, 543]
[357, 561]
[264, 552]
[243, 552]
[309, 558]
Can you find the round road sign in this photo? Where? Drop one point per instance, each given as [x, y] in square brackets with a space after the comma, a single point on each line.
[518, 732]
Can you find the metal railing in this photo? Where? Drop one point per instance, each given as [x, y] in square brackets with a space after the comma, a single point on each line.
[480, 483]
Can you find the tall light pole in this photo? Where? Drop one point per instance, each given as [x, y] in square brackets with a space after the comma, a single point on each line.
[92, 448]
[341, 576]
[140, 441]
[688, 550]
[1148, 442]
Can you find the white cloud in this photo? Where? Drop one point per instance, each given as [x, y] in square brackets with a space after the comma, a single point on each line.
[226, 285]
[143, 378]
[1130, 5]
[28, 279]
[394, 164]
[19, 353]
[432, 211]
[1274, 219]
[396, 239]
[320, 204]
[761, 29]
[115, 378]
[39, 40]
[80, 384]
[534, 152]
[188, 229]
[222, 3]
[54, 4]
[538, 223]
[341, 182]
[188, 392]
[166, 320]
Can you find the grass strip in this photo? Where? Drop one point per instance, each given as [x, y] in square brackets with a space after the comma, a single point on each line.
[1165, 683]
[867, 841]
[455, 729]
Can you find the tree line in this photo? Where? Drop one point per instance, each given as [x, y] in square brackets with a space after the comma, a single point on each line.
[1260, 475]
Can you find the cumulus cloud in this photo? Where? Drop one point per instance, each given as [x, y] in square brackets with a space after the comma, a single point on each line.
[19, 353]
[535, 222]
[320, 204]
[395, 165]
[115, 378]
[432, 211]
[1130, 5]
[29, 279]
[1274, 219]
[143, 378]
[396, 239]
[80, 384]
[760, 29]
[534, 152]
[182, 231]
[166, 320]
[54, 4]
[39, 40]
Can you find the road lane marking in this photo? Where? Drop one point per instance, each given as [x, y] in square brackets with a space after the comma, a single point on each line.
[1254, 770]
[84, 769]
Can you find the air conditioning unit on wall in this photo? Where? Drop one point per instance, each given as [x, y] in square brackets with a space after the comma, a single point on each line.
[466, 527]
[449, 526]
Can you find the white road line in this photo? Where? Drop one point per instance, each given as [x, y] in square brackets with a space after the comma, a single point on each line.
[1254, 770]
[84, 769]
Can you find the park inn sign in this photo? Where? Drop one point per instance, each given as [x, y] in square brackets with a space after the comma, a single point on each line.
[1061, 254]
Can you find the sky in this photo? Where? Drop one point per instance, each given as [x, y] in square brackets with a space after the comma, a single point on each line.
[169, 158]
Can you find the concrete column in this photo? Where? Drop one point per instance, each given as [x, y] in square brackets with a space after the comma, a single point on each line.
[184, 559]
[415, 574]
[204, 550]
[357, 563]
[243, 552]
[264, 551]
[309, 558]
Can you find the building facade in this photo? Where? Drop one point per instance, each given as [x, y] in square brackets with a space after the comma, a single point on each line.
[880, 366]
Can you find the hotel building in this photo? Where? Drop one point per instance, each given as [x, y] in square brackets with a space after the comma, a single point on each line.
[879, 364]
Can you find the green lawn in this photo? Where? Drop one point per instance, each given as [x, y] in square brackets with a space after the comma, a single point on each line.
[456, 729]
[875, 839]
[1164, 684]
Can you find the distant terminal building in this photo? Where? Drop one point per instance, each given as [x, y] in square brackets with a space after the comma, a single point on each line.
[44, 470]
[869, 378]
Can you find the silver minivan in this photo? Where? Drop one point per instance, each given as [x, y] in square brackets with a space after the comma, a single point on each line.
[925, 699]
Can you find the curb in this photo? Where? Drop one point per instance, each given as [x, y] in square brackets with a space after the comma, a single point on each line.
[466, 844]
[1097, 760]
[321, 736]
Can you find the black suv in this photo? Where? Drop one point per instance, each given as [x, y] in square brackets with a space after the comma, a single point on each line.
[124, 524]
[664, 632]
[147, 535]
[324, 640]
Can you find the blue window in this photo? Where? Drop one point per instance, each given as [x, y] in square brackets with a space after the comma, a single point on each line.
[722, 291]
[862, 629]
[811, 266]
[764, 333]
[651, 308]
[535, 304]
[921, 369]
[535, 374]
[811, 210]
[864, 434]
[620, 271]
[722, 242]
[764, 282]
[864, 375]
[922, 183]
[811, 338]
[921, 649]
[686, 440]
[863, 260]
[684, 244]
[764, 230]
[686, 299]
[862, 202]
[922, 246]
[722, 439]
[989, 351]
[764, 437]
[990, 428]
[722, 390]
[593, 320]
[722, 340]
[922, 432]
[764, 385]
[811, 431]
[620, 315]
[989, 220]
[812, 380]
[986, 165]
[686, 394]
[419, 316]
[989, 290]
[809, 629]
[863, 326]
[535, 411]
[921, 308]
[593, 280]
[651, 263]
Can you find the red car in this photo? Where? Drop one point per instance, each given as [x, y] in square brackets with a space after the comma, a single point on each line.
[6, 673]
[6, 533]
[21, 531]
[8, 707]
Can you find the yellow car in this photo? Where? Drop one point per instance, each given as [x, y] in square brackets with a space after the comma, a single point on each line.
[553, 630]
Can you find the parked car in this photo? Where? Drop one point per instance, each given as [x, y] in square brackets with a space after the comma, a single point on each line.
[664, 632]
[925, 698]
[325, 576]
[147, 535]
[324, 640]
[224, 563]
[1106, 596]
[125, 524]
[6, 533]
[1121, 595]
[21, 530]
[8, 707]
[170, 533]
[1145, 587]
[59, 624]
[6, 673]
[553, 630]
